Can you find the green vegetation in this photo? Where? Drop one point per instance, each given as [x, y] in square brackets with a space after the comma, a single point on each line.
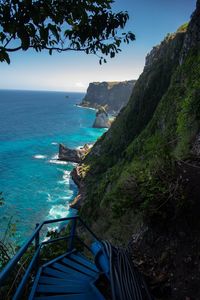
[183, 27]
[135, 170]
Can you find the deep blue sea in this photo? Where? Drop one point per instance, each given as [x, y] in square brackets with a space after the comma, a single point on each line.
[35, 185]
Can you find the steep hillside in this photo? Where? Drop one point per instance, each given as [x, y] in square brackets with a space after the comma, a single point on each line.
[113, 95]
[141, 179]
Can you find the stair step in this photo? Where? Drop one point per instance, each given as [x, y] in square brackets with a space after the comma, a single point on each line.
[60, 281]
[85, 262]
[67, 270]
[54, 273]
[86, 296]
[63, 289]
[79, 267]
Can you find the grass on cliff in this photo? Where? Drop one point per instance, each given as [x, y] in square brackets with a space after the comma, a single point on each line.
[143, 178]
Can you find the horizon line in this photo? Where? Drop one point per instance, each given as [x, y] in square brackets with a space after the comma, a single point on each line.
[45, 90]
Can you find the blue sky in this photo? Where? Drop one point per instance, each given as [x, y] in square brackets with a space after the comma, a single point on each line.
[150, 20]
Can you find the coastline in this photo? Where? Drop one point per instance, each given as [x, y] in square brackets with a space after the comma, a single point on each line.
[86, 107]
[75, 174]
[78, 200]
[40, 183]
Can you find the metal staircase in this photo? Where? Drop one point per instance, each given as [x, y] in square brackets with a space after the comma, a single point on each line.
[107, 273]
[70, 276]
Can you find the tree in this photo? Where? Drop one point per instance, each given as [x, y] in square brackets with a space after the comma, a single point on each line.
[61, 25]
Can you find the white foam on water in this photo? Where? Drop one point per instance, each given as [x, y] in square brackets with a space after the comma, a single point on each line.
[59, 211]
[39, 156]
[54, 160]
[52, 229]
[85, 107]
[73, 164]
[46, 238]
[66, 177]
[49, 198]
[55, 156]
[58, 162]
[65, 197]
[54, 143]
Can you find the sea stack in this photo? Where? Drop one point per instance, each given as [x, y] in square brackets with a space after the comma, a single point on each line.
[102, 119]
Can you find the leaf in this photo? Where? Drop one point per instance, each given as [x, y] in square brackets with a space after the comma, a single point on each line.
[4, 56]
[112, 54]
[54, 30]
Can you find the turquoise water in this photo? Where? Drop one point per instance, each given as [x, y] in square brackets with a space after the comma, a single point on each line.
[34, 184]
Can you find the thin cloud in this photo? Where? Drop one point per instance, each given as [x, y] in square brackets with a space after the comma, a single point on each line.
[80, 85]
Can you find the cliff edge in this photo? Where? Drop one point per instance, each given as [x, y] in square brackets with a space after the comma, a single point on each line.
[141, 178]
[113, 95]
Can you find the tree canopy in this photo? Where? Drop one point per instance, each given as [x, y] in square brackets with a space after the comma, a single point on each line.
[62, 25]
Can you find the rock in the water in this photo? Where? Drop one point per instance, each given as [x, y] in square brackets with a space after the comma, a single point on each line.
[102, 119]
[72, 155]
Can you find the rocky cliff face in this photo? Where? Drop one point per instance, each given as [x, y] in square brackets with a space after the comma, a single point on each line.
[114, 95]
[142, 176]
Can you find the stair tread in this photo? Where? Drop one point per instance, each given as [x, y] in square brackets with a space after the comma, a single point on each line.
[63, 289]
[60, 281]
[86, 296]
[86, 262]
[54, 273]
[79, 254]
[67, 271]
[79, 267]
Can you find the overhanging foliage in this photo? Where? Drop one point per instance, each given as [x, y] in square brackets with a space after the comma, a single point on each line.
[61, 25]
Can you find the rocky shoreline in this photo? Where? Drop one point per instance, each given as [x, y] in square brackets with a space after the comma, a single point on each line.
[78, 200]
[75, 156]
[102, 120]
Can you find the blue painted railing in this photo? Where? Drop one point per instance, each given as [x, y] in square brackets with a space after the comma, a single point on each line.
[38, 246]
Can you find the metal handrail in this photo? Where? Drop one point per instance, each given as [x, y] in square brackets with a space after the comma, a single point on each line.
[11, 264]
[5, 272]
[22, 284]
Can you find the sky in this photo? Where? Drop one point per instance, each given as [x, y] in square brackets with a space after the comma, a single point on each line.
[150, 21]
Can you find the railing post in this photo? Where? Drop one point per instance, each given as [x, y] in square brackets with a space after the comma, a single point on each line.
[37, 242]
[72, 233]
[37, 237]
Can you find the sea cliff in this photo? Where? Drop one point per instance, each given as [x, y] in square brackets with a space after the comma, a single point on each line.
[141, 178]
[113, 95]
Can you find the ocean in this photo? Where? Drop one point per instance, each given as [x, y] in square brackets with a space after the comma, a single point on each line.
[35, 185]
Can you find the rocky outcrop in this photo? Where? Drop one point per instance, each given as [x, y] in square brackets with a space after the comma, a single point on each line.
[72, 155]
[78, 200]
[102, 119]
[114, 95]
